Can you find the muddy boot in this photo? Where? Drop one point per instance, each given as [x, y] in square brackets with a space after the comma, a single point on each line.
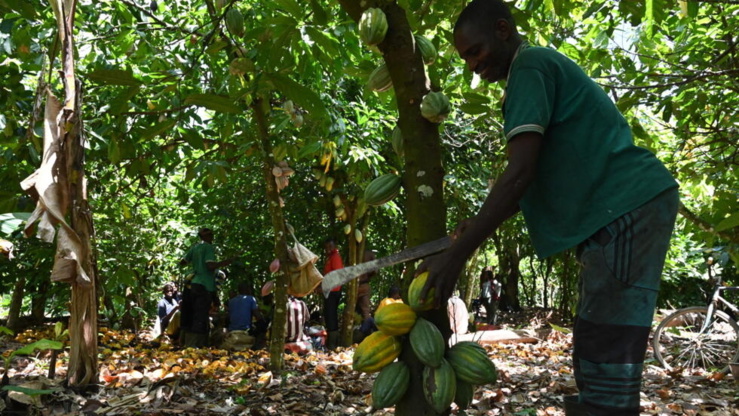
[574, 408]
[332, 340]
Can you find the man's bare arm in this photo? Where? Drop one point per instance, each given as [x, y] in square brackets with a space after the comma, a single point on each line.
[501, 203]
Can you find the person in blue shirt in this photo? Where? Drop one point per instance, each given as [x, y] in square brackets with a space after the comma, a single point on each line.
[242, 308]
[580, 182]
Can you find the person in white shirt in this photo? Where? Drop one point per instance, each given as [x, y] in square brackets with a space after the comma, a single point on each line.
[459, 317]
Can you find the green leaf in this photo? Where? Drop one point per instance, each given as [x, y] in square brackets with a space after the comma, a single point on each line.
[693, 7]
[119, 104]
[309, 150]
[303, 96]
[159, 128]
[649, 19]
[9, 222]
[473, 108]
[473, 98]
[327, 44]
[113, 77]
[560, 328]
[25, 390]
[214, 102]
[730, 222]
[23, 7]
[42, 344]
[114, 151]
[291, 7]
[320, 17]
[6, 330]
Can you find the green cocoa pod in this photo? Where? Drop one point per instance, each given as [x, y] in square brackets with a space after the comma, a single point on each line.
[372, 26]
[427, 49]
[235, 23]
[435, 107]
[379, 79]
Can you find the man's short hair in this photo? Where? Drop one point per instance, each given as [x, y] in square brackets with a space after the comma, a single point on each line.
[203, 231]
[484, 13]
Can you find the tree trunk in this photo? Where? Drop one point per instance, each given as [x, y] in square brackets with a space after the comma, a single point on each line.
[423, 175]
[38, 301]
[510, 267]
[260, 108]
[83, 369]
[14, 312]
[469, 280]
[356, 253]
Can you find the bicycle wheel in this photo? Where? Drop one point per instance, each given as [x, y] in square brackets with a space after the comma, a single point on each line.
[679, 343]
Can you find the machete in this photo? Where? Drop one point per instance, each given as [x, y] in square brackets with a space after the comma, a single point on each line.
[341, 276]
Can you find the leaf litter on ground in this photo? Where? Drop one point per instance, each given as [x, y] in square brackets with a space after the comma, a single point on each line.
[142, 378]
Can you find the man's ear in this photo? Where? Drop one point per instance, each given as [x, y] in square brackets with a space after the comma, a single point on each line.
[503, 29]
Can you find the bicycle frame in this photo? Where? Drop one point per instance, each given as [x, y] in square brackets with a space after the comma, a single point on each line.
[716, 298]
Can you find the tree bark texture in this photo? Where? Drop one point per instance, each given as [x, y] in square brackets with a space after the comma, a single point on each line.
[16, 301]
[260, 109]
[423, 175]
[62, 211]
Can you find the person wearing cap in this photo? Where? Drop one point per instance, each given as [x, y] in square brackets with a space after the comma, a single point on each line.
[202, 258]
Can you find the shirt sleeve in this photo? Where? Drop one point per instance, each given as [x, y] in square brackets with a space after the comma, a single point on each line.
[209, 253]
[529, 102]
[188, 255]
[161, 309]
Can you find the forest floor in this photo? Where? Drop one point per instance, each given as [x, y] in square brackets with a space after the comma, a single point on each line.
[138, 378]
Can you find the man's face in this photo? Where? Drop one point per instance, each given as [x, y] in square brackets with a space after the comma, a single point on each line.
[328, 247]
[485, 50]
[207, 236]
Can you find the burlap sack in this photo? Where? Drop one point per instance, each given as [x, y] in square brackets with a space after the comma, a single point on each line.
[238, 341]
[304, 276]
[301, 256]
[303, 280]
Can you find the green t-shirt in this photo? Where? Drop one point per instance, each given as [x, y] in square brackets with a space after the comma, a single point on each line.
[198, 256]
[589, 171]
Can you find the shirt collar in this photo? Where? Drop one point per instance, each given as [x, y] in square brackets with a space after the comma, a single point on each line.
[524, 44]
[521, 47]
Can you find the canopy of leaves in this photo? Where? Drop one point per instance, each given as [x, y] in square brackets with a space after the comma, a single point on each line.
[171, 146]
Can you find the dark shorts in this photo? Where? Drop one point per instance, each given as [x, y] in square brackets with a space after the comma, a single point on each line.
[622, 264]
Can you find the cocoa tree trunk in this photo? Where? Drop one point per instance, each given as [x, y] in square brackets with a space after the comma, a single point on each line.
[38, 301]
[356, 252]
[260, 108]
[14, 312]
[423, 175]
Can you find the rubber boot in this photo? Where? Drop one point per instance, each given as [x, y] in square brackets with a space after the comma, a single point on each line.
[332, 340]
[574, 408]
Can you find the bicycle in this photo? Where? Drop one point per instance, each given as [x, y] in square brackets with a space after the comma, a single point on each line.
[700, 337]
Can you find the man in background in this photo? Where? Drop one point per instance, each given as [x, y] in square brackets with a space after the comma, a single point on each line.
[202, 258]
[331, 304]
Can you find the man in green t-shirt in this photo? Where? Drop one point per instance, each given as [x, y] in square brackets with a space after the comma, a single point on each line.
[580, 182]
[202, 257]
